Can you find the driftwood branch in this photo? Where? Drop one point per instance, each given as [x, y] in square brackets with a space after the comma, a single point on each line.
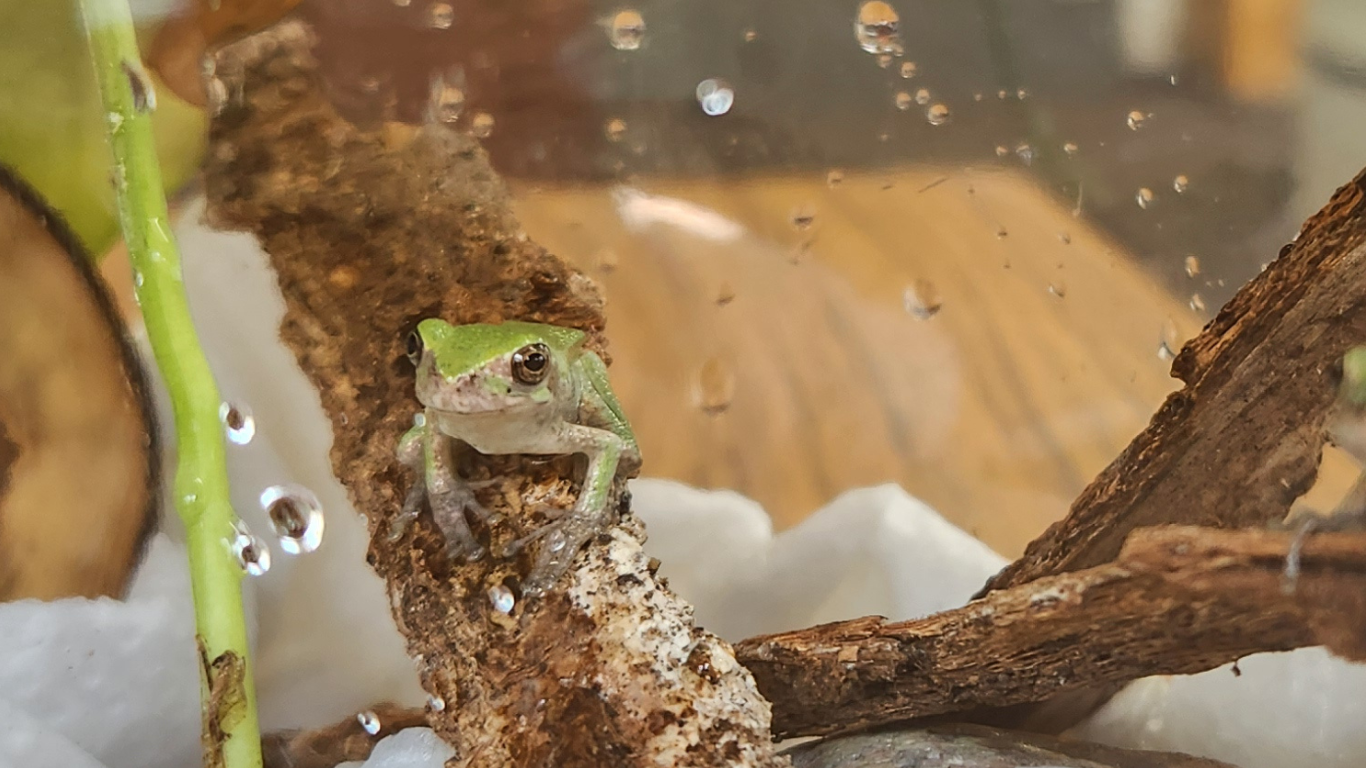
[1178, 600]
[1241, 441]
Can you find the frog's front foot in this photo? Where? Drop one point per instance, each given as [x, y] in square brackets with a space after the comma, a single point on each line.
[560, 542]
[449, 506]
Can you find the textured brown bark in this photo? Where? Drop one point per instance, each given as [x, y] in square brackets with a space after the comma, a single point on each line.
[370, 230]
[1178, 600]
[1241, 441]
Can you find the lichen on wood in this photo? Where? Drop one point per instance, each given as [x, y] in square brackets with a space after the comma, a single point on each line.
[370, 230]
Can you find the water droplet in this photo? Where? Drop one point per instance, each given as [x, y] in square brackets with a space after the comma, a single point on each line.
[436, 704]
[751, 35]
[908, 69]
[922, 96]
[1064, 238]
[252, 554]
[1164, 352]
[144, 93]
[1025, 152]
[1192, 266]
[903, 100]
[502, 599]
[447, 101]
[1058, 288]
[803, 218]
[1001, 94]
[482, 125]
[115, 120]
[1172, 79]
[615, 129]
[884, 60]
[715, 96]
[921, 300]
[877, 28]
[725, 294]
[238, 422]
[627, 30]
[937, 114]
[138, 279]
[834, 177]
[402, 3]
[1197, 302]
[1070, 148]
[440, 15]
[555, 541]
[607, 260]
[1022, 94]
[714, 387]
[1136, 120]
[296, 515]
[1002, 150]
[1144, 198]
[1181, 183]
[369, 721]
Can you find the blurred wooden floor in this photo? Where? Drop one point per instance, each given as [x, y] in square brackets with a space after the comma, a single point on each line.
[1038, 369]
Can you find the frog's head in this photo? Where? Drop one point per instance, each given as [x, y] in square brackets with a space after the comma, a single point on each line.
[481, 368]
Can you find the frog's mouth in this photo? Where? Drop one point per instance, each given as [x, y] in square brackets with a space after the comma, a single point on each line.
[470, 393]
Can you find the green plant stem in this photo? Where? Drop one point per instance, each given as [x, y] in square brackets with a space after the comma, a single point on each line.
[201, 480]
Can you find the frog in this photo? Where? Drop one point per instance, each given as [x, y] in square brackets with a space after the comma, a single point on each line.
[512, 388]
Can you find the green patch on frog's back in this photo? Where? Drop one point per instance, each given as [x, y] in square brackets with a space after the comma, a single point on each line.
[462, 348]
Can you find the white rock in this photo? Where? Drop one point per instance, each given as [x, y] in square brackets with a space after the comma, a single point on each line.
[409, 748]
[872, 551]
[1302, 709]
[119, 680]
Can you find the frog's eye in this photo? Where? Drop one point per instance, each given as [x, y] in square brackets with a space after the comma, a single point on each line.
[530, 364]
[415, 347]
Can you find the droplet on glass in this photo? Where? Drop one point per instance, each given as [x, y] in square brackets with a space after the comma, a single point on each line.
[369, 721]
[1001, 94]
[1002, 150]
[922, 96]
[903, 100]
[937, 114]
[447, 101]
[626, 30]
[1058, 288]
[144, 93]
[1070, 148]
[1144, 198]
[402, 3]
[1025, 152]
[751, 35]
[238, 422]
[803, 218]
[138, 279]
[615, 129]
[502, 599]
[714, 387]
[440, 15]
[607, 260]
[884, 60]
[834, 177]
[482, 125]
[1192, 266]
[436, 704]
[908, 69]
[1064, 238]
[1164, 352]
[725, 294]
[1181, 183]
[1021, 94]
[921, 300]
[1136, 120]
[296, 515]
[1197, 302]
[715, 96]
[877, 28]
[252, 554]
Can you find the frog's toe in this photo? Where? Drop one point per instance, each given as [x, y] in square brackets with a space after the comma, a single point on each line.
[412, 507]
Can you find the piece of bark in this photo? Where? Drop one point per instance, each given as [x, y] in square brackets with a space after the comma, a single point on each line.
[347, 741]
[953, 746]
[1241, 441]
[1178, 600]
[370, 231]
